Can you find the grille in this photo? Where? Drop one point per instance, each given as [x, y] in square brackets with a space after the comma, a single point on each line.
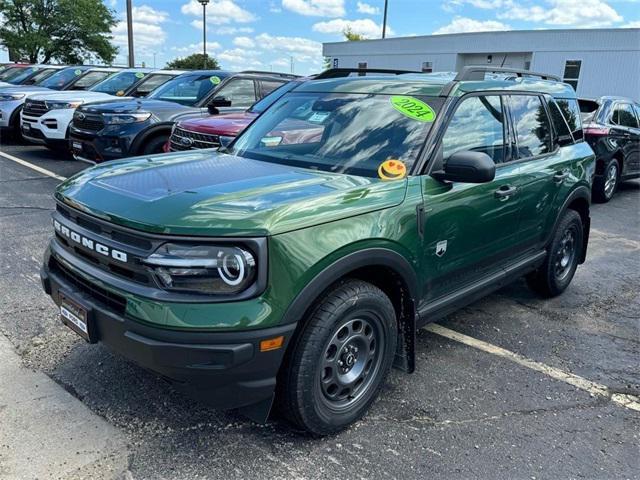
[91, 123]
[182, 139]
[34, 108]
[115, 302]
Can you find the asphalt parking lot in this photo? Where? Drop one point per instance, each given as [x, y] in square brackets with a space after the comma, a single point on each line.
[466, 412]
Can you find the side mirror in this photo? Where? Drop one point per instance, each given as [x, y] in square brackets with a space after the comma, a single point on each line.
[220, 102]
[467, 167]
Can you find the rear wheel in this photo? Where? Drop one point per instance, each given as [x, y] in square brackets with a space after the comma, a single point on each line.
[154, 145]
[340, 360]
[605, 186]
[563, 255]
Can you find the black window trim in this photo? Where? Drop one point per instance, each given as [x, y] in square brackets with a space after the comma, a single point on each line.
[614, 108]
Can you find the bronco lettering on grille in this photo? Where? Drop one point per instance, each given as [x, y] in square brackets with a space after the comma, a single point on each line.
[89, 243]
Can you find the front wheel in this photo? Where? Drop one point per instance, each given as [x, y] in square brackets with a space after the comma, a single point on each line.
[340, 360]
[605, 186]
[563, 255]
[154, 146]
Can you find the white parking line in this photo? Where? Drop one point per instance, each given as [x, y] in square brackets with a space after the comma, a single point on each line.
[38, 169]
[628, 401]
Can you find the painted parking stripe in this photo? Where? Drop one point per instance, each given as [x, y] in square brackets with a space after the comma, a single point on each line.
[38, 169]
[628, 401]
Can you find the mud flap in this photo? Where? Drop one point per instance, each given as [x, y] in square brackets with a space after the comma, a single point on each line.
[258, 412]
[405, 351]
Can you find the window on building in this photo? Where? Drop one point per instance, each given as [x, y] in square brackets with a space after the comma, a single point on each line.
[427, 67]
[362, 65]
[527, 65]
[572, 72]
[533, 132]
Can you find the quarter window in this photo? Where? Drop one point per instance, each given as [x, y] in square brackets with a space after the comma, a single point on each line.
[531, 123]
[571, 113]
[477, 125]
[572, 72]
[623, 115]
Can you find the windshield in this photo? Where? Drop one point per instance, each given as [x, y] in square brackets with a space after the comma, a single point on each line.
[42, 74]
[90, 79]
[117, 84]
[23, 74]
[187, 89]
[10, 73]
[150, 83]
[62, 78]
[261, 105]
[350, 133]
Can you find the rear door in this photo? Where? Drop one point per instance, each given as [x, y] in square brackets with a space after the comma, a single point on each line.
[544, 171]
[626, 133]
[470, 230]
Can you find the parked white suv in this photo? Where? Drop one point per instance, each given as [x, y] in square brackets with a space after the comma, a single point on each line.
[45, 117]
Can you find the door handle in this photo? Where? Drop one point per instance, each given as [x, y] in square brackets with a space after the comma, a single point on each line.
[504, 192]
[560, 176]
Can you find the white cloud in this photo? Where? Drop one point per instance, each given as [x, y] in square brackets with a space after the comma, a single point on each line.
[244, 42]
[239, 56]
[463, 24]
[148, 34]
[303, 47]
[366, 27]
[197, 48]
[635, 24]
[229, 30]
[316, 8]
[584, 14]
[219, 12]
[368, 9]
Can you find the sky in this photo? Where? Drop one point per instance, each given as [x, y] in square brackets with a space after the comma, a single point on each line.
[273, 34]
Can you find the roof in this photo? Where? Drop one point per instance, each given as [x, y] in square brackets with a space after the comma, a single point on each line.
[429, 84]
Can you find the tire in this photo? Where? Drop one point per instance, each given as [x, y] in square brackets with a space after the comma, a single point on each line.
[354, 323]
[605, 186]
[563, 254]
[154, 145]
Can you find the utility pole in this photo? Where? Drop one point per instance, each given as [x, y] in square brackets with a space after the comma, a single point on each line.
[204, 30]
[291, 63]
[384, 20]
[132, 61]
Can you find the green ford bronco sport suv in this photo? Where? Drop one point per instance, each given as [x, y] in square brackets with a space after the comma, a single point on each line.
[297, 264]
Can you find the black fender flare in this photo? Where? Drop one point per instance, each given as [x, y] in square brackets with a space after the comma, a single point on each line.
[148, 133]
[581, 192]
[369, 257]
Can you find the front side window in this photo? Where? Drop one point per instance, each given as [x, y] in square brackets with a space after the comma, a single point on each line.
[478, 126]
[623, 115]
[117, 83]
[351, 133]
[150, 83]
[90, 79]
[241, 93]
[186, 89]
[531, 124]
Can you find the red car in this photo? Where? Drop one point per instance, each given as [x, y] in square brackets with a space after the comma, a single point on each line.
[211, 132]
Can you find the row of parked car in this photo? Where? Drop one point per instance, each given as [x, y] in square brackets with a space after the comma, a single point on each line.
[105, 113]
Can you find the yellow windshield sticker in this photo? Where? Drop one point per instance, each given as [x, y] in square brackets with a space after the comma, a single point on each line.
[413, 108]
[215, 80]
[392, 170]
[77, 72]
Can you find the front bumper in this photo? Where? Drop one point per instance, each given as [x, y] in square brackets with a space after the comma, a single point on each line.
[52, 127]
[221, 369]
[111, 143]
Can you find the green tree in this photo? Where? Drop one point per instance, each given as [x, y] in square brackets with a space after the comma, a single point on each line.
[194, 61]
[352, 36]
[69, 31]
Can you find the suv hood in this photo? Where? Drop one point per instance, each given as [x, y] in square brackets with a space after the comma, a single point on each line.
[200, 193]
[73, 95]
[230, 124]
[131, 105]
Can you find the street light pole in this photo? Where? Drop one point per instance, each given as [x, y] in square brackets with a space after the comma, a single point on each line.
[204, 30]
[132, 62]
[384, 20]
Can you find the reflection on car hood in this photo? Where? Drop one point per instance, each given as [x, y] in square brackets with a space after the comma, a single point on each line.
[73, 96]
[210, 193]
[230, 124]
[130, 105]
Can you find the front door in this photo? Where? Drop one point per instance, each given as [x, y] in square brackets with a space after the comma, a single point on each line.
[470, 229]
[625, 132]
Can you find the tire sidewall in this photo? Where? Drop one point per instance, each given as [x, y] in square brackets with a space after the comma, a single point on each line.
[570, 220]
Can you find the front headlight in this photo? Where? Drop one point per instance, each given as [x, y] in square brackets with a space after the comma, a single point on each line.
[62, 105]
[208, 269]
[6, 97]
[123, 118]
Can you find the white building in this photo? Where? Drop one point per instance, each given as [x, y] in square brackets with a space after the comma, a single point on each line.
[597, 61]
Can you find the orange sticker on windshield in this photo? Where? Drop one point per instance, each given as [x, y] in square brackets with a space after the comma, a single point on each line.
[392, 170]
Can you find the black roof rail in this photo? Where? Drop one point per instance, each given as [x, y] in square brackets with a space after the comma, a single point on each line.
[344, 72]
[477, 73]
[272, 74]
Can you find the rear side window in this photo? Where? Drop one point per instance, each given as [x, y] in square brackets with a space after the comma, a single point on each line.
[269, 86]
[478, 126]
[623, 115]
[531, 124]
